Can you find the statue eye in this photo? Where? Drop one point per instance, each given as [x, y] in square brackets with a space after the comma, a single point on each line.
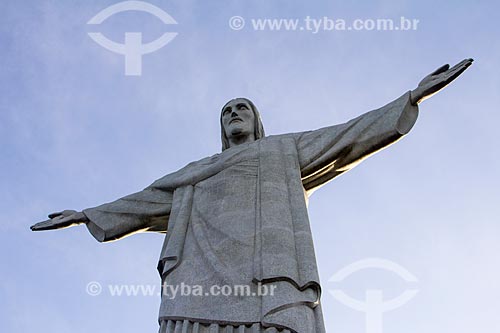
[242, 107]
[226, 111]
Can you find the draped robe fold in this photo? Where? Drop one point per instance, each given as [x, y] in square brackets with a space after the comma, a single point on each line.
[240, 218]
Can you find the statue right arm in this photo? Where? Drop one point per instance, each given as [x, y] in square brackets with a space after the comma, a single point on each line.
[147, 210]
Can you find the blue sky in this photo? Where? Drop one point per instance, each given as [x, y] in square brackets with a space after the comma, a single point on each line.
[76, 132]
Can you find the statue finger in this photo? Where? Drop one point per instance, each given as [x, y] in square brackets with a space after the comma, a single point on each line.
[441, 69]
[56, 214]
[452, 75]
[45, 225]
[465, 62]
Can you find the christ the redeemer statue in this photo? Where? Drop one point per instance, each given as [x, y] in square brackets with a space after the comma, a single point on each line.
[239, 218]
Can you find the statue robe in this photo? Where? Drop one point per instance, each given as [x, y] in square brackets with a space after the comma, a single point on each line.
[240, 218]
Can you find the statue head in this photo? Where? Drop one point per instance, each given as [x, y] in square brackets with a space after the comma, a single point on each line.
[240, 122]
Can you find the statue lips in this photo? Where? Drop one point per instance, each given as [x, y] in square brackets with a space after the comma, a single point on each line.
[236, 119]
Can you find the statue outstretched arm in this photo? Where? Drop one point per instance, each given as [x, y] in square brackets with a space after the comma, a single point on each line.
[147, 210]
[331, 151]
[328, 152]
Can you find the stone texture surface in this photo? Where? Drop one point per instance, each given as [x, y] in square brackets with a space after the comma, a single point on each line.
[240, 217]
[175, 326]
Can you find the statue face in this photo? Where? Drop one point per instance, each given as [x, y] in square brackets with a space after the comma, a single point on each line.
[238, 119]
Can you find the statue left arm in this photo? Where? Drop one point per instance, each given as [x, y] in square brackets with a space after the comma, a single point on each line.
[331, 151]
[328, 152]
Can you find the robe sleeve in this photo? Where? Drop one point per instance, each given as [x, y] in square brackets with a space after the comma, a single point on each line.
[328, 152]
[147, 210]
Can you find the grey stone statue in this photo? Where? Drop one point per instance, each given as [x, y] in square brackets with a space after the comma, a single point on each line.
[239, 218]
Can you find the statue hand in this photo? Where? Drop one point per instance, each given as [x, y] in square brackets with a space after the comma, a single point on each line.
[61, 220]
[437, 80]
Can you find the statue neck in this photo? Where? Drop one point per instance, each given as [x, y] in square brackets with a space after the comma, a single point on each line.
[238, 140]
